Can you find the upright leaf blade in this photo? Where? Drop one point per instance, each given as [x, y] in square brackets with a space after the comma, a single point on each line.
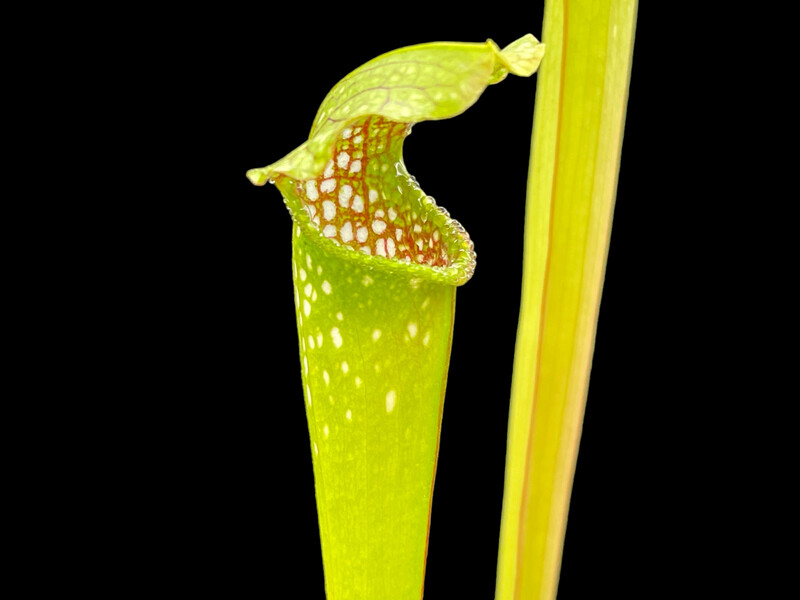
[577, 138]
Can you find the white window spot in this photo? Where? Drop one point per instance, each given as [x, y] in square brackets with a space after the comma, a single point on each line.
[357, 130]
[435, 235]
[427, 339]
[355, 166]
[306, 307]
[398, 233]
[303, 274]
[328, 185]
[361, 234]
[419, 244]
[346, 133]
[326, 377]
[308, 289]
[380, 247]
[345, 192]
[378, 226]
[315, 220]
[308, 395]
[326, 431]
[412, 329]
[358, 382]
[366, 250]
[308, 261]
[296, 298]
[328, 210]
[316, 449]
[336, 337]
[319, 270]
[339, 316]
[326, 287]
[373, 195]
[311, 344]
[376, 335]
[305, 363]
[390, 247]
[328, 172]
[392, 214]
[319, 340]
[358, 204]
[379, 213]
[358, 139]
[345, 367]
[311, 190]
[343, 160]
[390, 398]
[348, 415]
[346, 232]
[311, 210]
[367, 281]
[329, 231]
[314, 296]
[417, 228]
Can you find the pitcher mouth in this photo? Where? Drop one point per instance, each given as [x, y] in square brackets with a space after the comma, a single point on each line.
[365, 207]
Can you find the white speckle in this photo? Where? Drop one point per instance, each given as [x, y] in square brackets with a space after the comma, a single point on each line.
[308, 289]
[308, 395]
[392, 214]
[398, 233]
[330, 399]
[297, 231]
[326, 287]
[348, 415]
[366, 250]
[296, 298]
[326, 377]
[316, 449]
[373, 195]
[328, 169]
[308, 261]
[378, 226]
[310, 343]
[343, 160]
[355, 166]
[357, 130]
[377, 368]
[339, 316]
[426, 340]
[311, 190]
[345, 192]
[412, 330]
[358, 382]
[328, 185]
[417, 228]
[346, 133]
[303, 274]
[314, 296]
[426, 303]
[305, 363]
[325, 431]
[345, 367]
[367, 281]
[362, 234]
[390, 397]
[336, 337]
[329, 231]
[306, 307]
[358, 139]
[414, 282]
[346, 232]
[319, 270]
[380, 247]
[358, 204]
[390, 247]
[319, 340]
[328, 210]
[376, 335]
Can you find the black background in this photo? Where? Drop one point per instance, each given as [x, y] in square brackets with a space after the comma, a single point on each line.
[214, 485]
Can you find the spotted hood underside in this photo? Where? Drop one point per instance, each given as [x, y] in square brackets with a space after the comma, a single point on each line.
[347, 187]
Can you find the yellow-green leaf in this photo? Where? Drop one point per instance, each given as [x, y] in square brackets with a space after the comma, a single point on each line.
[577, 137]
